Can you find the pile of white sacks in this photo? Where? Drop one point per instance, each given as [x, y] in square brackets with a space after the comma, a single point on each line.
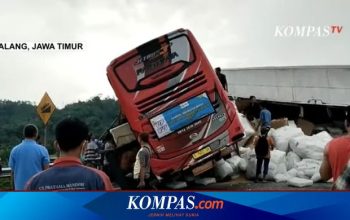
[296, 159]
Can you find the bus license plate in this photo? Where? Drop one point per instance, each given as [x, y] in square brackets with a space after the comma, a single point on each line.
[201, 153]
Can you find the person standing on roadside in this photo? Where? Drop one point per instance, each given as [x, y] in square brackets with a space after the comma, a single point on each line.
[28, 158]
[252, 111]
[265, 117]
[142, 167]
[221, 77]
[109, 158]
[67, 172]
[91, 154]
[263, 145]
[336, 154]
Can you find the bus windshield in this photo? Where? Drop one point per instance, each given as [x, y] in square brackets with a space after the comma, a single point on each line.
[155, 57]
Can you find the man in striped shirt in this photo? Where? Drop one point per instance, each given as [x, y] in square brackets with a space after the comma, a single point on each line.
[67, 173]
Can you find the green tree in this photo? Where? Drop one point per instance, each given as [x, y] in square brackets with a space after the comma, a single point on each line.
[97, 113]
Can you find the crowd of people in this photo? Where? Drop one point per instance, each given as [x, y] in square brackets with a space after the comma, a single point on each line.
[76, 166]
[29, 161]
[81, 166]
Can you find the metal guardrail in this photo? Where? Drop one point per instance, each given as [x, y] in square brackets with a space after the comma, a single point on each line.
[7, 176]
[6, 170]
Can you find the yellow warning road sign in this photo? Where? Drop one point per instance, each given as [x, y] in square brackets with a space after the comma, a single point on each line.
[45, 108]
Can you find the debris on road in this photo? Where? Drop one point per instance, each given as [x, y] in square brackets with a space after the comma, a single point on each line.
[222, 169]
[205, 181]
[176, 185]
[248, 130]
[299, 182]
[310, 146]
[292, 158]
[282, 136]
[296, 159]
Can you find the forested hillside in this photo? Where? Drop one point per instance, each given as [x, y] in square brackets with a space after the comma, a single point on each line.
[97, 113]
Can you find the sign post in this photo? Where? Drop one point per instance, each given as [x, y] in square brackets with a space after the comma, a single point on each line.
[45, 110]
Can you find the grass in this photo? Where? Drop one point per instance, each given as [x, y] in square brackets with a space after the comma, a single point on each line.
[5, 184]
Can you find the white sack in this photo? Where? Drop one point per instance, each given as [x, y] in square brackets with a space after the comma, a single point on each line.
[298, 182]
[272, 172]
[292, 172]
[277, 164]
[251, 167]
[301, 174]
[278, 156]
[281, 168]
[281, 178]
[248, 129]
[310, 146]
[282, 136]
[306, 164]
[222, 169]
[177, 185]
[205, 181]
[234, 163]
[243, 165]
[316, 177]
[292, 158]
[243, 150]
[307, 168]
[291, 123]
[279, 159]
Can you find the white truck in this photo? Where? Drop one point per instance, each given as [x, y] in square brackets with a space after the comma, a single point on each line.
[316, 93]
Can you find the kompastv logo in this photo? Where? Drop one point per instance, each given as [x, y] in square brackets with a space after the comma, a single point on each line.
[172, 203]
[308, 31]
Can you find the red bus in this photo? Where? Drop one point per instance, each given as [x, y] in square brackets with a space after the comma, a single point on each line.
[167, 88]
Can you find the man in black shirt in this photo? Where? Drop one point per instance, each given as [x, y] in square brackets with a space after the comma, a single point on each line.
[221, 77]
[253, 110]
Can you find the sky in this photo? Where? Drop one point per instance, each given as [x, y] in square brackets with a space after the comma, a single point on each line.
[232, 33]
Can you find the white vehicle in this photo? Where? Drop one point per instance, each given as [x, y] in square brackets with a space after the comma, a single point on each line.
[328, 85]
[319, 92]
